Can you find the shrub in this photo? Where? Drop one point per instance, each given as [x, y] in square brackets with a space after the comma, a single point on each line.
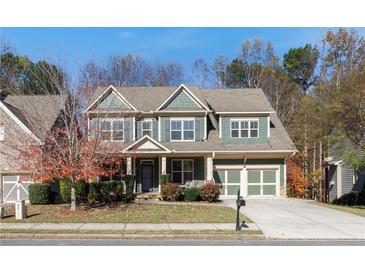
[39, 194]
[361, 198]
[170, 192]
[105, 192]
[209, 192]
[191, 194]
[129, 185]
[65, 191]
[164, 179]
[81, 189]
[348, 199]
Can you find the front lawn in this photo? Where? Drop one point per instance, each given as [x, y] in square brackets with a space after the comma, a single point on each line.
[128, 213]
[357, 210]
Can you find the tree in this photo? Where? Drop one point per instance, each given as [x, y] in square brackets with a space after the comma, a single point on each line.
[201, 73]
[301, 63]
[219, 70]
[296, 183]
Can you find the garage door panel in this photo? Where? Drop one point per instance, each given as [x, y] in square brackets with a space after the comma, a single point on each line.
[269, 189]
[253, 176]
[269, 176]
[233, 176]
[232, 189]
[253, 190]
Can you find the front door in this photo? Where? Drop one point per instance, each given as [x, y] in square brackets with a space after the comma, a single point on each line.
[147, 177]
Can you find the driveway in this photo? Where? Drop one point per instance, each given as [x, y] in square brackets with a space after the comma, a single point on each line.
[301, 219]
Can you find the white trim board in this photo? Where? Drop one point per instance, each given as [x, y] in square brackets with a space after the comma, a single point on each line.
[149, 139]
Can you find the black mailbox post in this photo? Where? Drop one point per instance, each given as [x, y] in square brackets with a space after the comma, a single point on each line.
[239, 202]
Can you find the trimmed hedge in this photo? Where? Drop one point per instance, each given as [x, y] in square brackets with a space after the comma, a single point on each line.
[39, 194]
[129, 185]
[81, 190]
[209, 192]
[171, 192]
[191, 194]
[348, 199]
[105, 192]
[65, 191]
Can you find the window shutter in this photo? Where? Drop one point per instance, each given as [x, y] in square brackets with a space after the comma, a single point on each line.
[127, 131]
[197, 130]
[139, 129]
[167, 129]
[154, 129]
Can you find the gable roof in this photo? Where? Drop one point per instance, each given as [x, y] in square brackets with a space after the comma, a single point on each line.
[149, 99]
[36, 112]
[146, 139]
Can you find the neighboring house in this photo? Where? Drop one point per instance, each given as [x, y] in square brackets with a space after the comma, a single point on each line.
[342, 178]
[23, 120]
[230, 136]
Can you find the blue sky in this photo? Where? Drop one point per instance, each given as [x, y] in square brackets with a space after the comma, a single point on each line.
[78, 45]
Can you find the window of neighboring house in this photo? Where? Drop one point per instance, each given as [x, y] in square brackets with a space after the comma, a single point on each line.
[147, 128]
[182, 171]
[354, 175]
[244, 129]
[2, 132]
[182, 129]
[111, 130]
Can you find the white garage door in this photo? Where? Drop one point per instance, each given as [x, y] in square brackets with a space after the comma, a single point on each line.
[262, 182]
[15, 188]
[229, 179]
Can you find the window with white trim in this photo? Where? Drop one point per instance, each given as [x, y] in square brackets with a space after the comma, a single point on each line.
[182, 171]
[147, 128]
[111, 130]
[2, 132]
[182, 129]
[244, 128]
[354, 175]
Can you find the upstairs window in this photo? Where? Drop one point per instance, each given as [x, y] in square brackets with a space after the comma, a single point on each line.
[111, 130]
[147, 128]
[2, 132]
[182, 129]
[244, 128]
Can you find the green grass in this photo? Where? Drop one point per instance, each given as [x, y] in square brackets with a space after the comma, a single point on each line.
[128, 213]
[357, 210]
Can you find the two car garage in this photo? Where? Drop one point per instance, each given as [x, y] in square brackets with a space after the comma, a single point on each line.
[251, 180]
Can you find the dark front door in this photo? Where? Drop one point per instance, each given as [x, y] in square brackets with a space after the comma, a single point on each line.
[147, 177]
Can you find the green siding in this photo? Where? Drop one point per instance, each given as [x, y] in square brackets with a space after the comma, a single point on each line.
[112, 101]
[182, 100]
[199, 132]
[163, 129]
[226, 132]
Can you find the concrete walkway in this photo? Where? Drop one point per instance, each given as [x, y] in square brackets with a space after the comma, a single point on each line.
[301, 219]
[122, 227]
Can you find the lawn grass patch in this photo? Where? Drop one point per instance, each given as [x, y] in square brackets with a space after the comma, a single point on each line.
[128, 213]
[357, 210]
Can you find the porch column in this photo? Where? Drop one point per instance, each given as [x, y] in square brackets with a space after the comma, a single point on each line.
[209, 168]
[2, 209]
[129, 165]
[163, 165]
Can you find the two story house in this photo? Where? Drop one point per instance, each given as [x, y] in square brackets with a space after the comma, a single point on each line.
[230, 136]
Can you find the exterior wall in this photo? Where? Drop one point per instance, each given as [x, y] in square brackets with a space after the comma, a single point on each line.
[226, 131]
[331, 173]
[112, 101]
[154, 128]
[128, 128]
[199, 176]
[183, 101]
[165, 128]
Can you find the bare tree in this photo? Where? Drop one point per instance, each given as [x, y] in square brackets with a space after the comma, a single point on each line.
[201, 73]
[219, 68]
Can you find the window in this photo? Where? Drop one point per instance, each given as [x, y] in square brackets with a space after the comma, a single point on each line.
[182, 171]
[354, 175]
[147, 128]
[111, 130]
[244, 129]
[182, 129]
[2, 132]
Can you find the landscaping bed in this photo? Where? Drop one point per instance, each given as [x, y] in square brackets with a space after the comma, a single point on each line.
[127, 213]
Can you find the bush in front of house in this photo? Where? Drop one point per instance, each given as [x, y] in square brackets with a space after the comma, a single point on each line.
[209, 192]
[105, 192]
[164, 179]
[129, 187]
[348, 199]
[81, 191]
[65, 190]
[39, 193]
[191, 194]
[361, 198]
[171, 192]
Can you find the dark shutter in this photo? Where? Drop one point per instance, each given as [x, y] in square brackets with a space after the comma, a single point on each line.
[127, 131]
[197, 130]
[167, 129]
[155, 129]
[139, 129]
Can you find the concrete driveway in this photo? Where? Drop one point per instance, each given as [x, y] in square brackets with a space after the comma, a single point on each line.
[301, 219]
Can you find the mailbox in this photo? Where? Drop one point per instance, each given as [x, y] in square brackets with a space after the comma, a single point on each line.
[239, 202]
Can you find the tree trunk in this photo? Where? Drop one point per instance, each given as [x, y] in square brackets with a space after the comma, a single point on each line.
[305, 153]
[73, 197]
[321, 170]
[314, 156]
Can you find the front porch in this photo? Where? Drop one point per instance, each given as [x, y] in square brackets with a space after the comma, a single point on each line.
[147, 170]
